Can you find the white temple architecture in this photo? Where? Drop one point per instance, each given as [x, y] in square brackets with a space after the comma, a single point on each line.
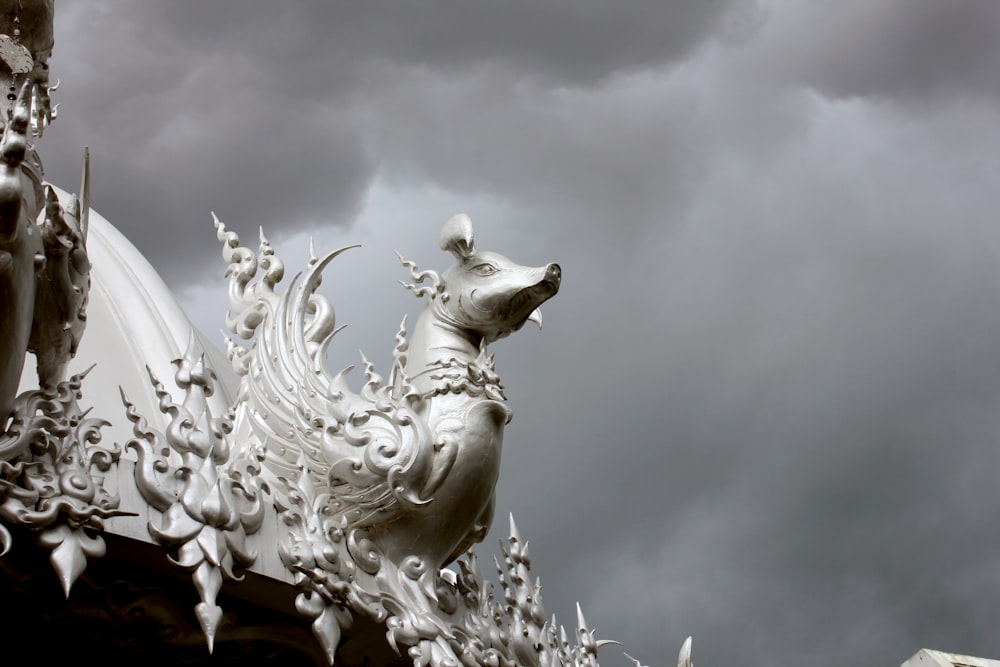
[162, 501]
[165, 502]
[929, 658]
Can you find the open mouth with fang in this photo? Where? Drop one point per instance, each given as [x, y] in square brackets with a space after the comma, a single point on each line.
[510, 315]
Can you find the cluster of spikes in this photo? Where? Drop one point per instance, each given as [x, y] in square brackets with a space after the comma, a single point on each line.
[516, 625]
[535, 641]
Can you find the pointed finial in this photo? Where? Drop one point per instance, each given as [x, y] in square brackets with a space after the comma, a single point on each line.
[456, 237]
[52, 206]
[84, 216]
[684, 658]
[515, 536]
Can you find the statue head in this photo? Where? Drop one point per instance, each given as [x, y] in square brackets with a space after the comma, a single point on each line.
[487, 293]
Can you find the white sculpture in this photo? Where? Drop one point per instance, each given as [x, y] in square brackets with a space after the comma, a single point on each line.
[44, 269]
[410, 465]
[403, 472]
[363, 504]
[52, 469]
[42, 262]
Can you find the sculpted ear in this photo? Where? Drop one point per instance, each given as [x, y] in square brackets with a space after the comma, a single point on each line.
[456, 237]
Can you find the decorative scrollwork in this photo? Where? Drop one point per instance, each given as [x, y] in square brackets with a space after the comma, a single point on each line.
[53, 469]
[351, 472]
[206, 515]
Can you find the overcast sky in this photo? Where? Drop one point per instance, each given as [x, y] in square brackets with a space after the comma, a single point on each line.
[764, 409]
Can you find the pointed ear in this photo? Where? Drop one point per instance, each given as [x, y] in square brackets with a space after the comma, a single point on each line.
[456, 237]
[53, 208]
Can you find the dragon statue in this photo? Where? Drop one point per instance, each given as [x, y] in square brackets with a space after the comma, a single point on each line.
[378, 494]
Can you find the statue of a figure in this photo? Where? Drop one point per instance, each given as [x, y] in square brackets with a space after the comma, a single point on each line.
[409, 465]
[482, 298]
[44, 270]
[20, 251]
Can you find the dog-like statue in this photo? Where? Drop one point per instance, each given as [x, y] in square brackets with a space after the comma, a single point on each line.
[408, 466]
[482, 298]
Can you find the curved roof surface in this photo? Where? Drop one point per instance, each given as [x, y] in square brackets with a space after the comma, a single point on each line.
[133, 322]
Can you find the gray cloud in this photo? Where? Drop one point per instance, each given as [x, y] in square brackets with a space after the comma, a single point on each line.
[913, 52]
[762, 408]
[213, 101]
[562, 43]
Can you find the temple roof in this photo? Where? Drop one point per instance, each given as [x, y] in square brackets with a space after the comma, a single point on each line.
[931, 658]
[134, 321]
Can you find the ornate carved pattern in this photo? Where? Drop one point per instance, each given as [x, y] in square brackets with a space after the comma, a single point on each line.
[52, 477]
[293, 413]
[333, 503]
[206, 516]
[44, 271]
[379, 493]
[26, 41]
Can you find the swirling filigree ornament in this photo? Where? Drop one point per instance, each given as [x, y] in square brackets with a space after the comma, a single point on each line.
[377, 490]
[53, 470]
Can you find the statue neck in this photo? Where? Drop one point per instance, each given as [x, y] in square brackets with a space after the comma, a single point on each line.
[436, 338]
[437, 342]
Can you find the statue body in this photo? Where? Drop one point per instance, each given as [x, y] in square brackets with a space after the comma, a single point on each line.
[409, 465]
[20, 242]
[44, 269]
[482, 298]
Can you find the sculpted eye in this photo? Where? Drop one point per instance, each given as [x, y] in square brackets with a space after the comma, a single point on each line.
[484, 269]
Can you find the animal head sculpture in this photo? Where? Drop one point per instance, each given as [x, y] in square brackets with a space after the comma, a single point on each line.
[410, 465]
[459, 400]
[484, 294]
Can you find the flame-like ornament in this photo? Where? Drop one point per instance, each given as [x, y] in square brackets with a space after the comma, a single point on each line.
[53, 470]
[206, 513]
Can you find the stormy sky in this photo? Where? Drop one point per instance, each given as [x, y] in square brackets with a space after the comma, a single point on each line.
[764, 409]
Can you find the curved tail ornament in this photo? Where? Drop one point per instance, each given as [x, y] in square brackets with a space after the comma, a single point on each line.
[370, 450]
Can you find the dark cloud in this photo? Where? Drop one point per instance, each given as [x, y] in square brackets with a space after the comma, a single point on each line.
[762, 407]
[892, 49]
[794, 406]
[226, 106]
[560, 43]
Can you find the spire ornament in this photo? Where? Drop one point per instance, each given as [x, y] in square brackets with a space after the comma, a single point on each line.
[205, 516]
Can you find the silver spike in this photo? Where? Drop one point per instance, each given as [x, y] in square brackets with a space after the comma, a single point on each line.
[684, 658]
[515, 536]
[85, 195]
